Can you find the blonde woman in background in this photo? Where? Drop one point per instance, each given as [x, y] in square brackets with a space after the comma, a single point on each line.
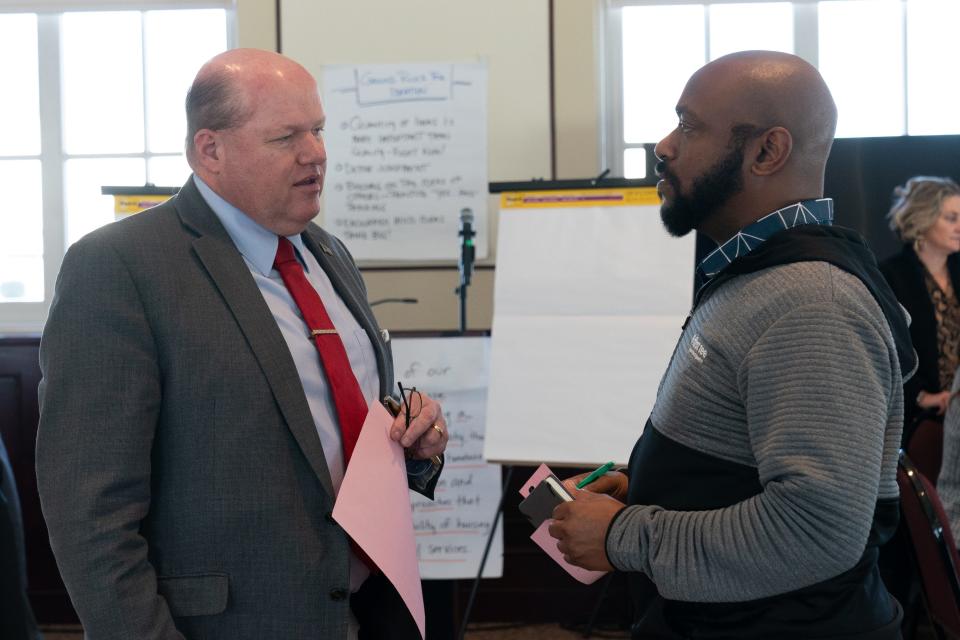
[925, 276]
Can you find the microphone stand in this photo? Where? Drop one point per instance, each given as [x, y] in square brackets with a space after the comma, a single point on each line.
[466, 264]
[466, 269]
[462, 291]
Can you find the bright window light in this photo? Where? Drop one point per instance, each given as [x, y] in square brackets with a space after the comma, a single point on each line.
[171, 63]
[861, 58]
[746, 26]
[889, 63]
[635, 163]
[20, 106]
[168, 171]
[933, 93]
[111, 114]
[102, 82]
[662, 47]
[21, 232]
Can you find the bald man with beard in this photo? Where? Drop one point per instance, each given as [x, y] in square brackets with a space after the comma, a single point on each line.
[764, 480]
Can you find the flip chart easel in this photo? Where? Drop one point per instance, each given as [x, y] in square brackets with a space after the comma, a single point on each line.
[589, 299]
[590, 295]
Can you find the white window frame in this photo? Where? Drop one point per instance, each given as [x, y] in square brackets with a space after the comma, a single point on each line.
[806, 44]
[29, 317]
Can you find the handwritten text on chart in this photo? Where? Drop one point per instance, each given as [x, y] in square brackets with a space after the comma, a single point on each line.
[378, 87]
[386, 169]
[452, 530]
[453, 527]
[407, 149]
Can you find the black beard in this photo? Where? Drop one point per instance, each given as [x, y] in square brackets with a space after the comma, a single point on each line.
[710, 191]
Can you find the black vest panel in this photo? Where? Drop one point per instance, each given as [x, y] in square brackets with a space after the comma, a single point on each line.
[854, 604]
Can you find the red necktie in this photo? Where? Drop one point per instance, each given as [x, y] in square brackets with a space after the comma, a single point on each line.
[347, 397]
[344, 388]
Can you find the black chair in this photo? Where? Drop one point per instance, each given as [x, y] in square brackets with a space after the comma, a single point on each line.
[933, 546]
[925, 447]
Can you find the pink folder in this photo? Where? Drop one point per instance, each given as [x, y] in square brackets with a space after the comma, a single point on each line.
[548, 543]
[373, 506]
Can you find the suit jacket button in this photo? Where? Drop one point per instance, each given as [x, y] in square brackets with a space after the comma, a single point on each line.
[338, 594]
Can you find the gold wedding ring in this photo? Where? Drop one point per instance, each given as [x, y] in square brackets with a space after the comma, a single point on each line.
[439, 430]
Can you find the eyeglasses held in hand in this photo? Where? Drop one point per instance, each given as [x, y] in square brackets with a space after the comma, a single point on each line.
[412, 403]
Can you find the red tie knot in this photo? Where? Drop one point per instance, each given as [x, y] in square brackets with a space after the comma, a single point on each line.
[285, 253]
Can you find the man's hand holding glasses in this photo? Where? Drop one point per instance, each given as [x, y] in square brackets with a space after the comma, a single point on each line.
[419, 425]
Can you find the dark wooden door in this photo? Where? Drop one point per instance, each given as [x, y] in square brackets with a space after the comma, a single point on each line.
[19, 415]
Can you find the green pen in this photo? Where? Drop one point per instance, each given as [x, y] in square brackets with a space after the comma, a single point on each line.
[602, 469]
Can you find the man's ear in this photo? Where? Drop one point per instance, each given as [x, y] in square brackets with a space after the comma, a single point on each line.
[208, 150]
[776, 145]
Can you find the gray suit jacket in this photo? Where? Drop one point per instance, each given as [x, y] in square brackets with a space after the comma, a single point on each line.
[180, 472]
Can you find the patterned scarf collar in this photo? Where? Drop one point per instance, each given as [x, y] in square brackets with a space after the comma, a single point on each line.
[818, 211]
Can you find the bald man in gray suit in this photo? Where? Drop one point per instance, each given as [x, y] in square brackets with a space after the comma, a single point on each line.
[189, 451]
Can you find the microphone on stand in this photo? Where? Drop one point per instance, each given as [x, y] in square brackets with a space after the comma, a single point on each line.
[467, 249]
[466, 261]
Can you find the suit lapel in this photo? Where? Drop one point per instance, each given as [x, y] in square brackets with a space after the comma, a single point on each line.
[232, 277]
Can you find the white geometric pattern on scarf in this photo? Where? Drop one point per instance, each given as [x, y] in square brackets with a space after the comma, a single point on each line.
[750, 237]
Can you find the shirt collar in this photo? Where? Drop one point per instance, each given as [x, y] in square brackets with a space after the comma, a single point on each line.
[818, 211]
[257, 244]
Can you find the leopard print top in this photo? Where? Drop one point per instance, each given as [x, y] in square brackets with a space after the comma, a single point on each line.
[947, 310]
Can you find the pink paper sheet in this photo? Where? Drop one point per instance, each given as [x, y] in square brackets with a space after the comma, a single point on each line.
[373, 506]
[542, 472]
[548, 543]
